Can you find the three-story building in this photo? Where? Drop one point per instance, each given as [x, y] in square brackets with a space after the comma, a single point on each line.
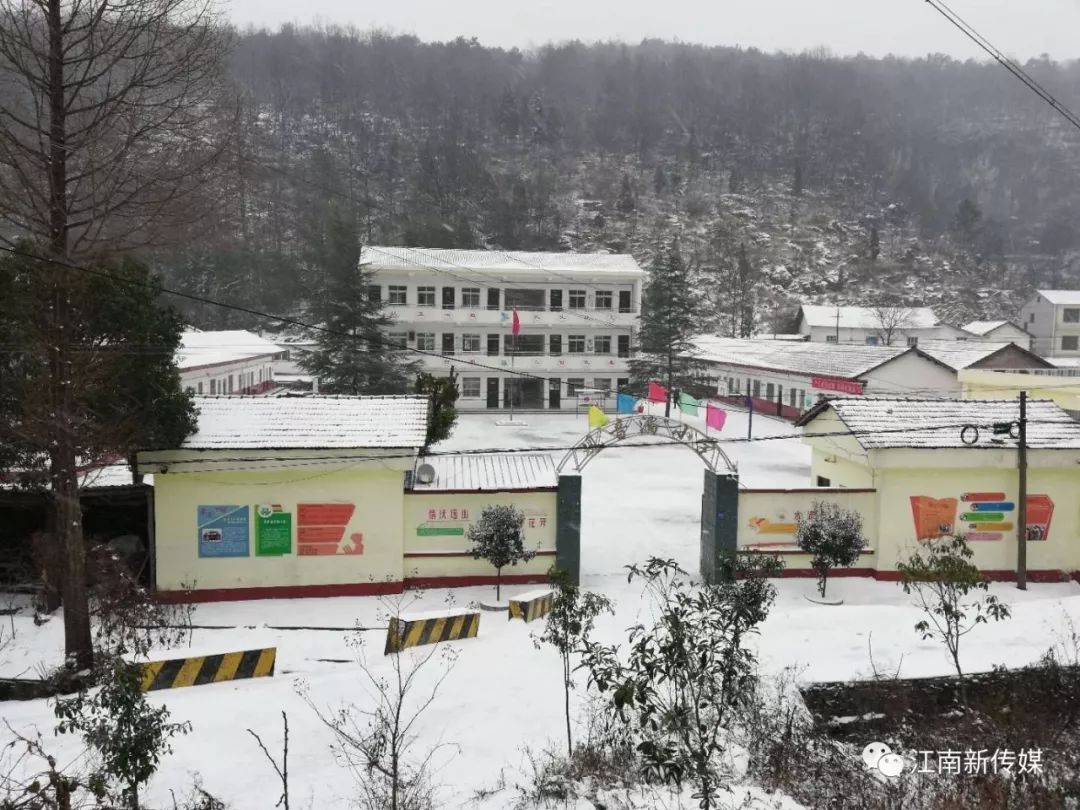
[577, 312]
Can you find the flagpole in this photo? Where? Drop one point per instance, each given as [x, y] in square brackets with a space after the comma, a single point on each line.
[513, 380]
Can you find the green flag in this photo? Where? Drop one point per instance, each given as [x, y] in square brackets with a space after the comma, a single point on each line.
[687, 404]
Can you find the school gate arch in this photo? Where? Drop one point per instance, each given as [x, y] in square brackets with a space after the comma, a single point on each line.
[719, 498]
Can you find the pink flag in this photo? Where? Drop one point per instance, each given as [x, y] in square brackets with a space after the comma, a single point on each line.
[516, 328]
[715, 417]
[657, 393]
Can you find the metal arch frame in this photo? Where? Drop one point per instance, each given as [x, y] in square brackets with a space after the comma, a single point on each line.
[618, 430]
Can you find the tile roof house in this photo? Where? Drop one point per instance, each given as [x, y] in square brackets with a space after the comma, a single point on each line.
[963, 354]
[897, 326]
[226, 362]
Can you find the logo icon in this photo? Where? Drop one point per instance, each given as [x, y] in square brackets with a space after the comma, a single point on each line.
[878, 756]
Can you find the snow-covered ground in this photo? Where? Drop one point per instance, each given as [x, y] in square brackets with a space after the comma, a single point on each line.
[503, 694]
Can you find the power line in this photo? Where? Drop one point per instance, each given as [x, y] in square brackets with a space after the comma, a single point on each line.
[1007, 63]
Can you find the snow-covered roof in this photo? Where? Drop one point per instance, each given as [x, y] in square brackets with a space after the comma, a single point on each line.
[488, 471]
[198, 349]
[111, 475]
[986, 327]
[879, 423]
[869, 317]
[816, 359]
[499, 262]
[1061, 296]
[312, 423]
[958, 354]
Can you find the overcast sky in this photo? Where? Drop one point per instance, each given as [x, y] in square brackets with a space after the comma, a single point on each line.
[1021, 28]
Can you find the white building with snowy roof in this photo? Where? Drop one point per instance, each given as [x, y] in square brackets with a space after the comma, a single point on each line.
[999, 331]
[1052, 317]
[232, 361]
[871, 326]
[454, 308]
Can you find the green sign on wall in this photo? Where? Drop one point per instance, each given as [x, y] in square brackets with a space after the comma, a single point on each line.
[273, 531]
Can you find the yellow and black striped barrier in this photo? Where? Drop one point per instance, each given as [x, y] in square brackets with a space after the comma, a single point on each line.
[403, 633]
[531, 606]
[203, 669]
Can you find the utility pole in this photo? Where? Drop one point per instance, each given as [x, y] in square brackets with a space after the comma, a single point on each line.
[750, 420]
[1021, 505]
[838, 325]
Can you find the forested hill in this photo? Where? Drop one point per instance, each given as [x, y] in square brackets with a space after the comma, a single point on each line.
[922, 181]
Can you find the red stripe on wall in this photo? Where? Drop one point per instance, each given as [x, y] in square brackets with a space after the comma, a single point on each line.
[437, 554]
[281, 592]
[467, 582]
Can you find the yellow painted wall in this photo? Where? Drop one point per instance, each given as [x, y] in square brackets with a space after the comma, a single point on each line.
[767, 520]
[1060, 551]
[980, 384]
[447, 532]
[376, 493]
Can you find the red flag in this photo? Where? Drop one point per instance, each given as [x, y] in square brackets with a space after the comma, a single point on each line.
[715, 417]
[516, 328]
[657, 393]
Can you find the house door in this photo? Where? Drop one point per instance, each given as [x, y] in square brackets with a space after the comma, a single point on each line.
[493, 392]
[554, 394]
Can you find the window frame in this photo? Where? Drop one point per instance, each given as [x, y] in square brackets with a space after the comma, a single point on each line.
[607, 297]
[425, 292]
[465, 381]
[473, 337]
[1074, 339]
[466, 294]
[575, 340]
[425, 341]
[602, 344]
[394, 291]
[577, 296]
[1075, 312]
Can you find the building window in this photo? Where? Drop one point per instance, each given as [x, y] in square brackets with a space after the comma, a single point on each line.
[871, 340]
[1031, 318]
[398, 295]
[449, 295]
[573, 385]
[198, 387]
[1071, 315]
[555, 345]
[603, 299]
[912, 341]
[425, 341]
[602, 384]
[575, 344]
[493, 298]
[830, 338]
[374, 292]
[213, 386]
[769, 388]
[625, 301]
[470, 297]
[493, 345]
[1069, 343]
[791, 397]
[524, 345]
[470, 343]
[524, 299]
[623, 343]
[622, 383]
[398, 338]
[470, 387]
[822, 481]
[757, 389]
[448, 343]
[577, 299]
[425, 296]
[602, 344]
[555, 297]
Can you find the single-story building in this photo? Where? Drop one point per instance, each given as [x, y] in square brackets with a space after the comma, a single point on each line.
[871, 326]
[227, 362]
[999, 331]
[1062, 385]
[320, 496]
[918, 469]
[981, 354]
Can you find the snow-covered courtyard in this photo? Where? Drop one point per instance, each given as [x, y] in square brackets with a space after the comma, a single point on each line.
[503, 694]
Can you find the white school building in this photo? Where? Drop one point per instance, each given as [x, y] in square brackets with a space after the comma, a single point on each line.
[578, 316]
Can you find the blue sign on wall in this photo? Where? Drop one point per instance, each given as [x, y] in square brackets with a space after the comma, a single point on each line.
[223, 531]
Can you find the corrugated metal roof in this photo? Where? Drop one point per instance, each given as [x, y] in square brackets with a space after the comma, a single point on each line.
[212, 348]
[880, 423]
[868, 317]
[488, 472]
[1061, 296]
[815, 359]
[309, 422]
[499, 261]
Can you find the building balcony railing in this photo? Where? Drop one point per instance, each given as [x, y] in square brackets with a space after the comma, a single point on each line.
[583, 318]
[556, 365]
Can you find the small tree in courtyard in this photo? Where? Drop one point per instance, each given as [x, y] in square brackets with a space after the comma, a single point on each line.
[567, 629]
[832, 534]
[499, 537]
[951, 591]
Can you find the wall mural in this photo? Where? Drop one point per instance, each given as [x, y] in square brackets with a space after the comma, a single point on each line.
[222, 531]
[320, 530]
[449, 521]
[979, 516]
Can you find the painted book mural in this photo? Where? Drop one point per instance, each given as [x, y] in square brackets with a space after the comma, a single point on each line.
[979, 516]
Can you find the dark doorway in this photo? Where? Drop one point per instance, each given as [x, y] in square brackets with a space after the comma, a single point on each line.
[554, 393]
[528, 394]
[493, 392]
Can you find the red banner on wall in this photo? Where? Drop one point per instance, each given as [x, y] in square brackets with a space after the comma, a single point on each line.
[844, 386]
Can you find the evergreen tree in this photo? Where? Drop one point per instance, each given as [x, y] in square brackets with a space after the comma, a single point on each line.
[499, 537]
[354, 355]
[443, 392]
[874, 246]
[669, 311]
[627, 202]
[742, 294]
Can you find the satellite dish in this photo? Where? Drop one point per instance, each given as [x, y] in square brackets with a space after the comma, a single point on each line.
[425, 473]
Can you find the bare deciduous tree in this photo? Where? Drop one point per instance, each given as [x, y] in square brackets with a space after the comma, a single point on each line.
[890, 322]
[106, 132]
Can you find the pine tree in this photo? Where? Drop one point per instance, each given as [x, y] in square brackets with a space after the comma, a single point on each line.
[354, 355]
[742, 294]
[499, 537]
[443, 392]
[627, 203]
[669, 312]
